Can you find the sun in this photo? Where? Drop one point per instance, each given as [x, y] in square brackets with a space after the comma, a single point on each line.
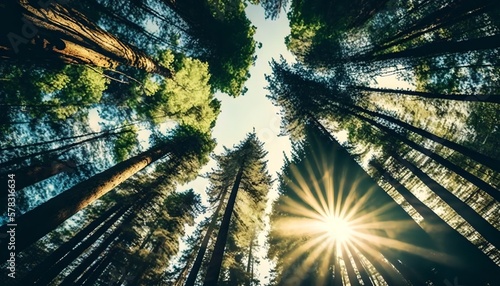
[338, 229]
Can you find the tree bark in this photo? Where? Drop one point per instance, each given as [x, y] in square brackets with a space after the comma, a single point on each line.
[43, 268]
[483, 227]
[36, 223]
[353, 278]
[191, 279]
[448, 239]
[213, 269]
[363, 272]
[492, 163]
[490, 190]
[53, 270]
[58, 33]
[493, 98]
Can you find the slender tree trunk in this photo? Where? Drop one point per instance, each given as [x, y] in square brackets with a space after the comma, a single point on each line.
[493, 98]
[87, 262]
[451, 14]
[490, 190]
[337, 279]
[250, 260]
[448, 239]
[215, 263]
[488, 231]
[56, 32]
[191, 279]
[90, 277]
[19, 160]
[353, 278]
[391, 276]
[435, 49]
[363, 272]
[53, 270]
[492, 163]
[36, 223]
[43, 268]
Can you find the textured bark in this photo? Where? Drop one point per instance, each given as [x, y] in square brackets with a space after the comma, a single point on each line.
[60, 33]
[191, 279]
[36, 223]
[213, 269]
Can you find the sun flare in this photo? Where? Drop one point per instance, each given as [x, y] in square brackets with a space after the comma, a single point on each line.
[338, 229]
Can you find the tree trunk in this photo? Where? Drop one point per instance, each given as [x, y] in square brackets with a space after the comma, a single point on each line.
[447, 16]
[490, 190]
[390, 275]
[55, 32]
[90, 277]
[353, 278]
[483, 227]
[215, 263]
[204, 244]
[435, 49]
[493, 98]
[250, 261]
[43, 268]
[36, 223]
[53, 270]
[21, 159]
[84, 265]
[448, 239]
[361, 268]
[492, 163]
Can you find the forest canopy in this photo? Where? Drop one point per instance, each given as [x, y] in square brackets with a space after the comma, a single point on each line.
[116, 171]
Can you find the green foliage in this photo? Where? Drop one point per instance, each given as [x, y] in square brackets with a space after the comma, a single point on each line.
[124, 144]
[187, 98]
[58, 92]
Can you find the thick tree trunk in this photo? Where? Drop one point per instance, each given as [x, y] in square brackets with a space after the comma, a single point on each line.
[493, 98]
[492, 163]
[56, 32]
[483, 227]
[191, 279]
[448, 239]
[36, 223]
[213, 269]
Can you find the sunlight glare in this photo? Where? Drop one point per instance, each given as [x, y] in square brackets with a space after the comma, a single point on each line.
[337, 228]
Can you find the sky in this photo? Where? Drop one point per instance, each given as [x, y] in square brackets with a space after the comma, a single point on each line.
[253, 111]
